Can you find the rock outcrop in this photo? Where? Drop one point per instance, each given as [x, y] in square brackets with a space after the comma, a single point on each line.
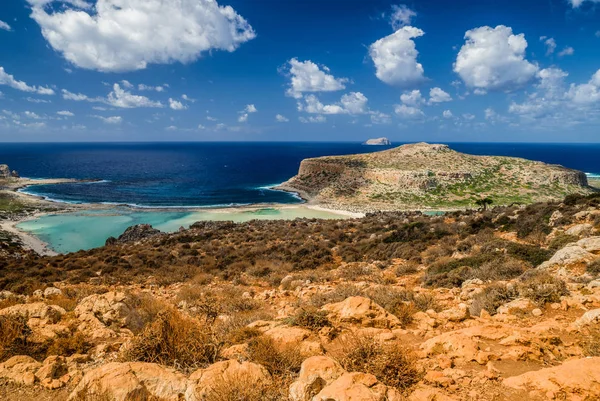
[134, 234]
[5, 172]
[423, 175]
[378, 142]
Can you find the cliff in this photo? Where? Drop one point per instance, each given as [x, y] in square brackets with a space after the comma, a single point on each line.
[6, 173]
[378, 142]
[420, 176]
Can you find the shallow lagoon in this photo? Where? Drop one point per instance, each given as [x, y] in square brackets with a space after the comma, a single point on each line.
[71, 232]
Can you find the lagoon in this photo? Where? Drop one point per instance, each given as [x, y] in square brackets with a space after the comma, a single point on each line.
[75, 231]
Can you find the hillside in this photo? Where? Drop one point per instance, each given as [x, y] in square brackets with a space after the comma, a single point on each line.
[501, 305]
[424, 176]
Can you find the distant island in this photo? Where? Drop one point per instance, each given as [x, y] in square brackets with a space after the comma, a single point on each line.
[378, 142]
[424, 176]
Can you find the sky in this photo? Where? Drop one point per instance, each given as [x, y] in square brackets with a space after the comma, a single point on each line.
[300, 70]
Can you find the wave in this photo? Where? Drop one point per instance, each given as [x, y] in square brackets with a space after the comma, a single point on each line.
[592, 175]
[49, 198]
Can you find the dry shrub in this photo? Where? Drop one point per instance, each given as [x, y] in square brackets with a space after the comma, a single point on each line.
[65, 302]
[354, 271]
[591, 343]
[13, 336]
[407, 269]
[173, 339]
[243, 388]
[391, 363]
[491, 298]
[594, 267]
[402, 303]
[279, 360]
[69, 345]
[241, 335]
[340, 293]
[147, 308]
[541, 287]
[501, 269]
[10, 301]
[310, 318]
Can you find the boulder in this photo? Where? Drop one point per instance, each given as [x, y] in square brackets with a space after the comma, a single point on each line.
[100, 311]
[37, 314]
[426, 393]
[52, 292]
[575, 380]
[203, 380]
[20, 369]
[569, 255]
[589, 317]
[357, 386]
[134, 234]
[360, 311]
[591, 244]
[131, 381]
[288, 335]
[520, 305]
[316, 373]
[580, 229]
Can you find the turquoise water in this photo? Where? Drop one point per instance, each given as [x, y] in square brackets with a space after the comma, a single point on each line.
[71, 232]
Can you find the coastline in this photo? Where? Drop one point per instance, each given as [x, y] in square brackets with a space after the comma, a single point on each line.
[28, 241]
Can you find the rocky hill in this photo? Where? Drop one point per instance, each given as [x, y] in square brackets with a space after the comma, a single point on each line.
[422, 176]
[378, 142]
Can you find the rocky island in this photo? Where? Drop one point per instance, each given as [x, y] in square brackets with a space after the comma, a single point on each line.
[425, 176]
[378, 142]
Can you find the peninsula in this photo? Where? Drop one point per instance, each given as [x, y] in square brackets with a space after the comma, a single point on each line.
[425, 176]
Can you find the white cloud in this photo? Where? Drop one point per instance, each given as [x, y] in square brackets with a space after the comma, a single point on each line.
[201, 127]
[437, 95]
[587, 93]
[250, 109]
[401, 16]
[494, 59]
[468, 116]
[447, 114]
[408, 112]
[351, 103]
[32, 115]
[577, 3]
[281, 119]
[209, 118]
[567, 51]
[127, 35]
[176, 105]
[312, 119]
[9, 80]
[395, 58]
[243, 118]
[413, 98]
[5, 26]
[550, 45]
[121, 98]
[127, 84]
[143, 87]
[307, 76]
[188, 99]
[171, 128]
[65, 113]
[110, 120]
[598, 34]
[80, 97]
[33, 100]
[378, 117]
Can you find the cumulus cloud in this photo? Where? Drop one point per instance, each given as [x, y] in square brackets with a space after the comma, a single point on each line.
[408, 112]
[550, 44]
[119, 97]
[110, 120]
[378, 117]
[577, 3]
[401, 16]
[9, 80]
[437, 95]
[32, 115]
[351, 103]
[34, 100]
[158, 88]
[307, 77]
[176, 104]
[127, 35]
[494, 59]
[188, 99]
[567, 51]
[65, 113]
[447, 114]
[5, 26]
[312, 119]
[243, 118]
[395, 58]
[250, 109]
[281, 119]
[413, 98]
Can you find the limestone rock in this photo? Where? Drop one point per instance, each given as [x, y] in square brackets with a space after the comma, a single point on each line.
[134, 380]
[357, 386]
[569, 255]
[426, 393]
[99, 311]
[37, 313]
[589, 317]
[520, 305]
[574, 380]
[580, 229]
[52, 292]
[360, 311]
[315, 374]
[134, 234]
[203, 380]
[20, 369]
[590, 244]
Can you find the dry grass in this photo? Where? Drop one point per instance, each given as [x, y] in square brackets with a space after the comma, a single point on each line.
[591, 344]
[174, 340]
[280, 360]
[310, 318]
[542, 287]
[491, 298]
[391, 363]
[13, 336]
[243, 388]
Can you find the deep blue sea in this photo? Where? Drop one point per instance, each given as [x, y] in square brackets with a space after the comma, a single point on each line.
[215, 174]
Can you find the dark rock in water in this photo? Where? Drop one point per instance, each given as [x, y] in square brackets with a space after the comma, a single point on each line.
[133, 234]
[6, 173]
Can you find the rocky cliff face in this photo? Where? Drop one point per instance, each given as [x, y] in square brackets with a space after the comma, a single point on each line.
[378, 141]
[423, 175]
[5, 172]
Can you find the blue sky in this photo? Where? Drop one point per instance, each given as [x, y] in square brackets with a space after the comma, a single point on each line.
[307, 70]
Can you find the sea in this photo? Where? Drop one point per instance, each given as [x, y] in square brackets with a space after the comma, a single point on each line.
[156, 177]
